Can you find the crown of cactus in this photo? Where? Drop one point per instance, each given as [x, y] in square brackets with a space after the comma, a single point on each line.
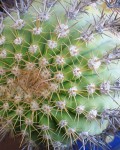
[59, 71]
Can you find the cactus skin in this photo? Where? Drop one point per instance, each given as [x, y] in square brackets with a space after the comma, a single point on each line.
[57, 73]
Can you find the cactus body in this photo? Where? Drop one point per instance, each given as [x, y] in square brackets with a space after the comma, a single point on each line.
[58, 71]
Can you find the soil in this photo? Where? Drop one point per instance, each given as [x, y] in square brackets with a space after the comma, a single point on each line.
[10, 144]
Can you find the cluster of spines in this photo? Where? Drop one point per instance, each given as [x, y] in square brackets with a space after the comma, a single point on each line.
[94, 63]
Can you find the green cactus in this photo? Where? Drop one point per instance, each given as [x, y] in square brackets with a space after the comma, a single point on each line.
[58, 72]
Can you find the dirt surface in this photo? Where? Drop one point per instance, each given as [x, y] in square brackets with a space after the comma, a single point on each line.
[13, 144]
[10, 144]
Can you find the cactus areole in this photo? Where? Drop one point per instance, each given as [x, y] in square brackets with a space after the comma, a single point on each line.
[59, 71]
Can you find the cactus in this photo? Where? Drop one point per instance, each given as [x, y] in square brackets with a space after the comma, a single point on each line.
[59, 72]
